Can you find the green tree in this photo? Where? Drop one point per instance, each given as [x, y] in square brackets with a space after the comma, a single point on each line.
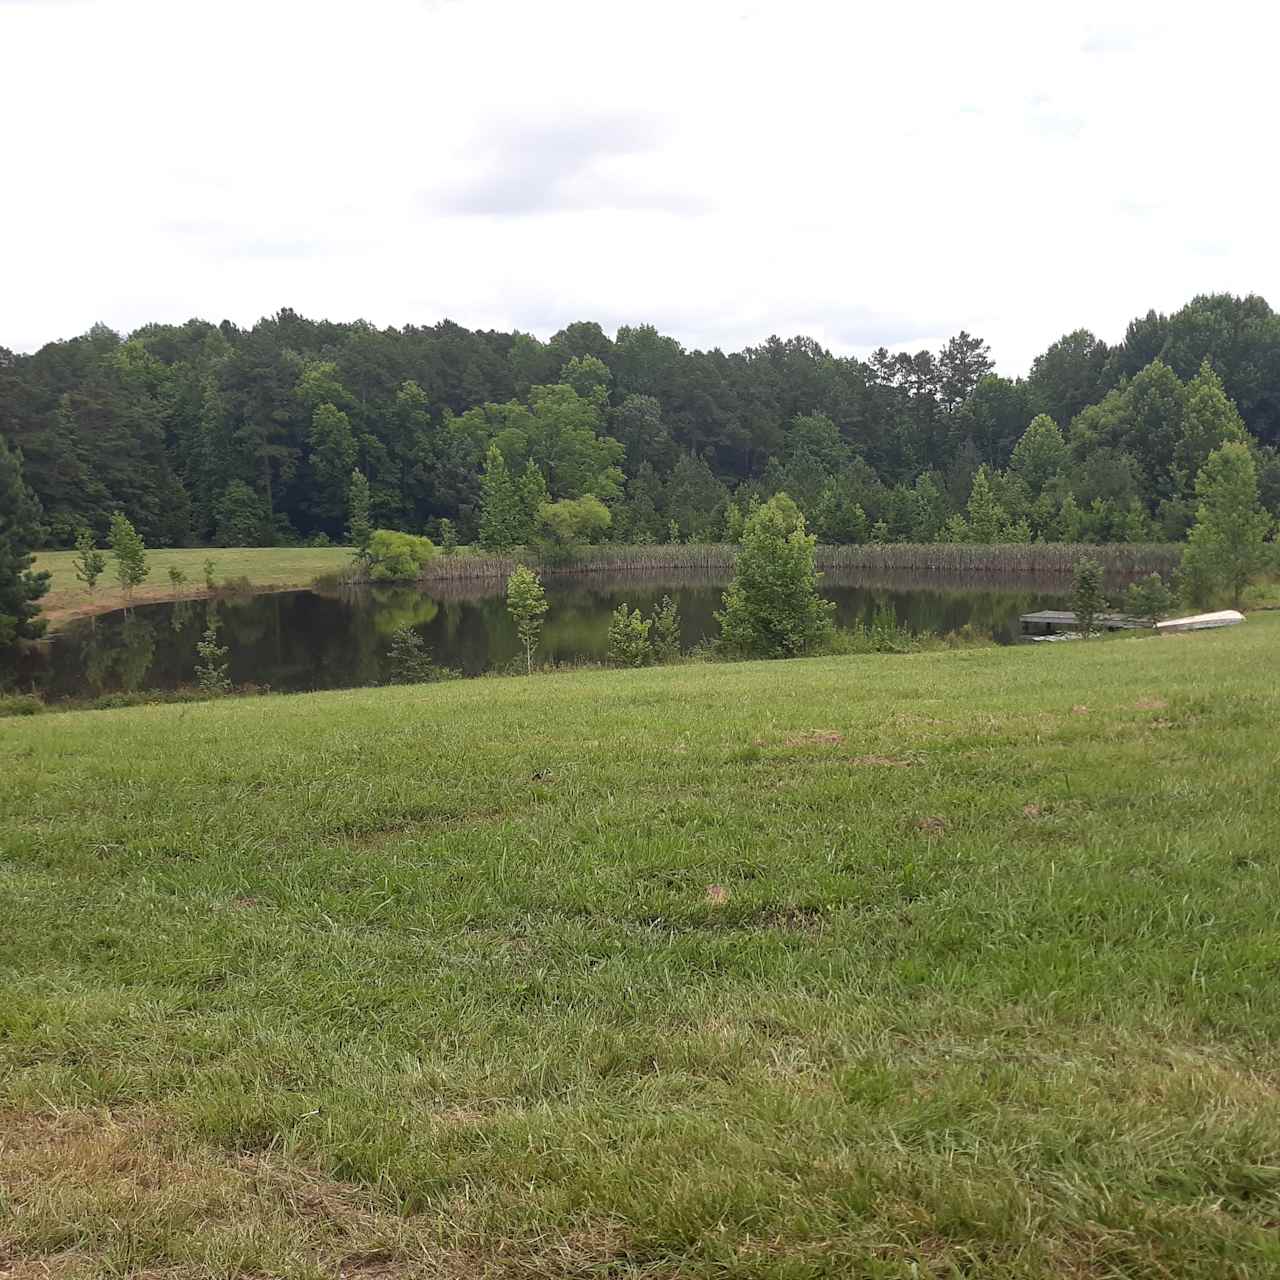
[240, 517]
[130, 554]
[502, 517]
[20, 586]
[333, 456]
[90, 563]
[772, 608]
[1148, 599]
[1087, 598]
[359, 525]
[527, 605]
[589, 376]
[448, 536]
[1040, 454]
[629, 644]
[1226, 546]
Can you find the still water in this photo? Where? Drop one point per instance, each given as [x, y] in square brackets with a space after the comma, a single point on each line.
[298, 640]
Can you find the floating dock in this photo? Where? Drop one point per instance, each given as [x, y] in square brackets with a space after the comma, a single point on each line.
[1056, 622]
[1053, 622]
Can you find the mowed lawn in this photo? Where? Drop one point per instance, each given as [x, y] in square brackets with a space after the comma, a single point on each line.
[956, 964]
[261, 566]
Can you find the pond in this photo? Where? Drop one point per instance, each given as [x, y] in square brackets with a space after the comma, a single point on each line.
[299, 640]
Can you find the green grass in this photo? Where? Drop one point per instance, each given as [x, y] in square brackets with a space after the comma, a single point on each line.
[261, 566]
[954, 964]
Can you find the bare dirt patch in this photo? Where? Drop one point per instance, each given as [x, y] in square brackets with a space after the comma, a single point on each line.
[930, 826]
[717, 895]
[815, 738]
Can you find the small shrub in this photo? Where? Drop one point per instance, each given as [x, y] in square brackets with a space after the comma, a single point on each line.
[448, 537]
[209, 583]
[1087, 599]
[321, 539]
[20, 704]
[212, 669]
[665, 632]
[629, 637]
[1148, 599]
[177, 579]
[410, 660]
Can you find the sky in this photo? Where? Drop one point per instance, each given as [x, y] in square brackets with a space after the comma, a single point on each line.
[724, 169]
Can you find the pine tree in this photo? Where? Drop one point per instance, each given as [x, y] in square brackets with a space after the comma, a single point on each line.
[359, 528]
[20, 532]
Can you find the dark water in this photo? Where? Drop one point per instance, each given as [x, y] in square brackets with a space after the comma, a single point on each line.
[299, 640]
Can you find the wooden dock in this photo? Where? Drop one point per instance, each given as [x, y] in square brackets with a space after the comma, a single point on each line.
[1053, 622]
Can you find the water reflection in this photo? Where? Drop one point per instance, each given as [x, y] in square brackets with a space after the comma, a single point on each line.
[301, 640]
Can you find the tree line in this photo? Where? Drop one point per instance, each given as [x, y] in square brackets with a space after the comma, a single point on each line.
[211, 434]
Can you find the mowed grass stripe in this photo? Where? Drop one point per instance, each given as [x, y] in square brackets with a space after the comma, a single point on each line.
[957, 962]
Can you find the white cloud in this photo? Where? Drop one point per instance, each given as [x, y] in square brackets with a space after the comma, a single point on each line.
[724, 169]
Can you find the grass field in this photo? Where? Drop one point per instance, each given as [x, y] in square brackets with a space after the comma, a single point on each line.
[956, 964]
[263, 567]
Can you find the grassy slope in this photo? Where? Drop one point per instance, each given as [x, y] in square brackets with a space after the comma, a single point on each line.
[263, 566]
[961, 962]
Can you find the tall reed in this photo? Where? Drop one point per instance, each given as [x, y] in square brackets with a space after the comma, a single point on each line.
[1043, 558]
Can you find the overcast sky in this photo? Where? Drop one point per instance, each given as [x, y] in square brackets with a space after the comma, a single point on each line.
[724, 169]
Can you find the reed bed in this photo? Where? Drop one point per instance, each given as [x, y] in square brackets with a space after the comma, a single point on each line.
[1118, 560]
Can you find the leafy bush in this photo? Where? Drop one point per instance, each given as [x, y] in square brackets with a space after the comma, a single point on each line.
[397, 557]
[20, 704]
[562, 526]
[629, 637]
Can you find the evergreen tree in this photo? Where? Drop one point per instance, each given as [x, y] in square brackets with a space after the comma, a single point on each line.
[359, 526]
[20, 531]
[502, 516]
[772, 608]
[1226, 545]
[130, 554]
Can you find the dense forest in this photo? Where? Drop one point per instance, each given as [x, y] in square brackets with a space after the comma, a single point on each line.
[204, 433]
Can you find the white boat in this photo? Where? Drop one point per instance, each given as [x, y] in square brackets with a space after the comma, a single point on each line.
[1202, 621]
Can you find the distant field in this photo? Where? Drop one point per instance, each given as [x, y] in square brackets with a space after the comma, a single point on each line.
[263, 566]
[956, 964]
